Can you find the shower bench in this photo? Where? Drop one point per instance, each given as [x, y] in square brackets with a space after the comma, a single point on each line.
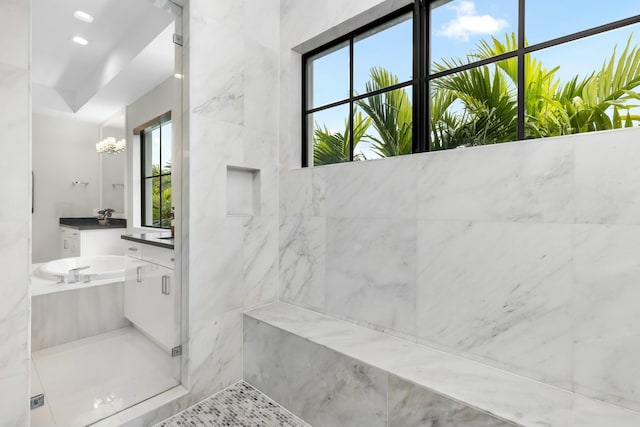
[331, 372]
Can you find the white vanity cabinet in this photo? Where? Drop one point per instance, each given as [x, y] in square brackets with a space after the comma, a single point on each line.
[151, 293]
[75, 242]
[69, 242]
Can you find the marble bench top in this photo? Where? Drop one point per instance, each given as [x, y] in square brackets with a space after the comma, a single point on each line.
[508, 396]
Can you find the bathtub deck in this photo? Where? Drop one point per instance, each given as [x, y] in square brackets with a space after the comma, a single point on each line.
[40, 286]
[93, 378]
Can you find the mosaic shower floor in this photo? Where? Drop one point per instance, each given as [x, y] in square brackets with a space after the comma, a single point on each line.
[239, 405]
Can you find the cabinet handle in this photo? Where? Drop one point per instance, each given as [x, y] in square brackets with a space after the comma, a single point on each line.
[166, 285]
[139, 274]
[133, 249]
[64, 244]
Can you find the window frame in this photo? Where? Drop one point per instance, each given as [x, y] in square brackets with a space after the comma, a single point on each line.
[350, 101]
[144, 130]
[422, 75]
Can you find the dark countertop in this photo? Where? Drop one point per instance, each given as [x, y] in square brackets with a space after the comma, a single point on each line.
[163, 240]
[91, 223]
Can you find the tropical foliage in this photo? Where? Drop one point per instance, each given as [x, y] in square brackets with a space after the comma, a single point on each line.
[390, 114]
[335, 147]
[601, 100]
[161, 196]
[479, 106]
[386, 124]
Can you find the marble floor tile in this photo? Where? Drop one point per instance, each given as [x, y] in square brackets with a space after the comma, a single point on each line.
[87, 380]
[238, 405]
[40, 417]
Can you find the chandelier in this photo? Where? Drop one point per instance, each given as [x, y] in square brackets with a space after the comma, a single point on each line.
[111, 146]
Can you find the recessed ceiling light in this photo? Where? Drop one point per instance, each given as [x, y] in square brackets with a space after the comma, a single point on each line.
[80, 40]
[83, 16]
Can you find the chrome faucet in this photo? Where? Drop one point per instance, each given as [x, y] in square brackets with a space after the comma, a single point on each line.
[74, 274]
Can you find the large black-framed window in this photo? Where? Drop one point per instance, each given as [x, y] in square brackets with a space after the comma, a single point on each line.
[155, 167]
[483, 72]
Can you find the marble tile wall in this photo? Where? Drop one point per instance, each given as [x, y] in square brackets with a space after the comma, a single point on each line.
[500, 291]
[605, 318]
[518, 255]
[15, 142]
[414, 406]
[99, 307]
[233, 260]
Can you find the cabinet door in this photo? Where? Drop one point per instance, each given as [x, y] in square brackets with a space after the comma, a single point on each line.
[65, 246]
[75, 246]
[70, 247]
[152, 301]
[67, 243]
[134, 300]
[160, 312]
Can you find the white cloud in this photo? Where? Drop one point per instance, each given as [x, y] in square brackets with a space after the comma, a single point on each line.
[468, 22]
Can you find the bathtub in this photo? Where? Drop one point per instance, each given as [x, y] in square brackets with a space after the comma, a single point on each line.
[102, 270]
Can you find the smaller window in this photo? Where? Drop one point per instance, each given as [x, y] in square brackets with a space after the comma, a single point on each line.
[155, 154]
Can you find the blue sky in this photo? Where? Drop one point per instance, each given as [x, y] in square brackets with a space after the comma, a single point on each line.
[458, 26]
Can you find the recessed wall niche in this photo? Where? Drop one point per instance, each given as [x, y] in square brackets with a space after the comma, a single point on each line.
[243, 191]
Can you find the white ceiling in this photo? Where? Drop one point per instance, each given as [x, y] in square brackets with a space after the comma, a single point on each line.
[130, 51]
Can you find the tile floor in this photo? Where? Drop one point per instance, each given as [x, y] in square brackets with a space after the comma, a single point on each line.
[239, 405]
[90, 379]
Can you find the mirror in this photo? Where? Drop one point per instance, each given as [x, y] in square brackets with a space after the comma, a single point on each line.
[112, 166]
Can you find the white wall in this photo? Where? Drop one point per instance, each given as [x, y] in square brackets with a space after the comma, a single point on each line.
[153, 104]
[15, 163]
[520, 255]
[64, 151]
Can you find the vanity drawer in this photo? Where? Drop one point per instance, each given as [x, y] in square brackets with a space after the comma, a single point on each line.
[133, 249]
[70, 233]
[158, 255]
